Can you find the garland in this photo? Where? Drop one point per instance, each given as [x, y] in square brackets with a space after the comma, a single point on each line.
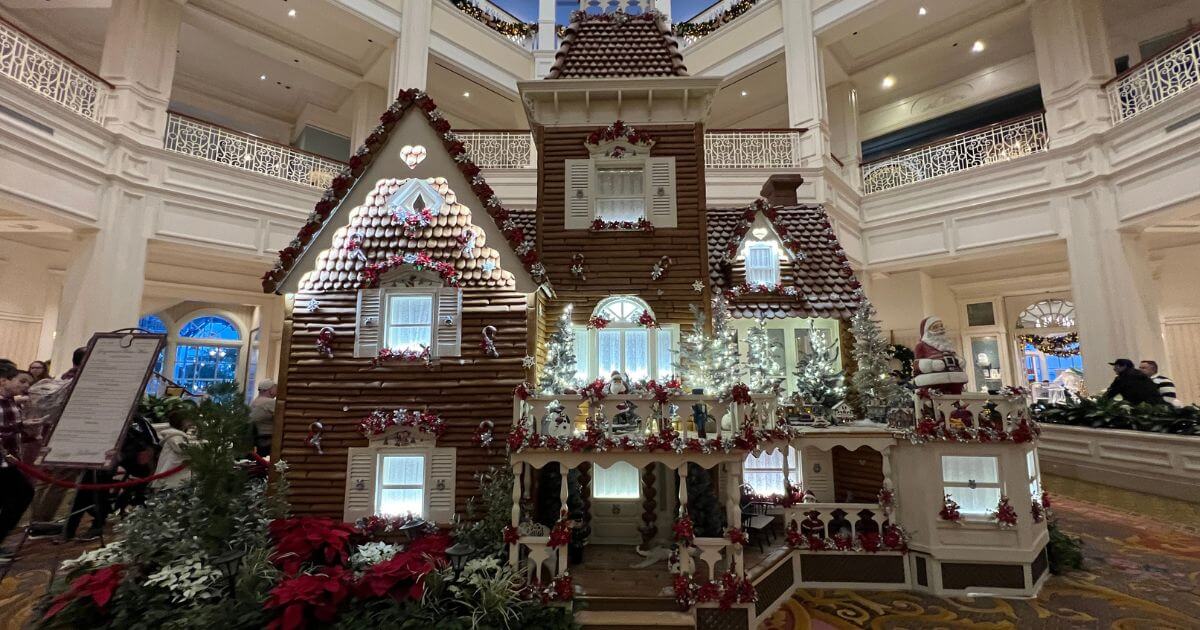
[387, 355]
[641, 225]
[419, 261]
[696, 30]
[340, 187]
[1059, 345]
[381, 420]
[513, 30]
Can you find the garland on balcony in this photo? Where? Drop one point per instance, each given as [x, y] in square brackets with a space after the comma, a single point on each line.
[641, 225]
[419, 261]
[381, 420]
[930, 430]
[1055, 345]
[340, 187]
[515, 30]
[893, 538]
[696, 30]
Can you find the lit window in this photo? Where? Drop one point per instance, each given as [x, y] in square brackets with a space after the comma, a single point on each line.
[625, 345]
[208, 352]
[401, 485]
[762, 264]
[973, 483]
[409, 321]
[765, 472]
[619, 481]
[619, 195]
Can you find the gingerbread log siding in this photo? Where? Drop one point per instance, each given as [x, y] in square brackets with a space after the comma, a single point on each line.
[341, 390]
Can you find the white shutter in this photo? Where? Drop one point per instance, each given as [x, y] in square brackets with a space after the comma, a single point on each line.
[660, 191]
[441, 485]
[367, 325]
[578, 192]
[360, 483]
[448, 336]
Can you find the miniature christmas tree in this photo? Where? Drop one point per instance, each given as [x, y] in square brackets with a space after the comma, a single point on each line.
[877, 389]
[710, 362]
[818, 381]
[762, 369]
[558, 373]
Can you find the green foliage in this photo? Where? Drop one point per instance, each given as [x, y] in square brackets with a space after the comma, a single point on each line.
[1065, 553]
[1107, 413]
[487, 517]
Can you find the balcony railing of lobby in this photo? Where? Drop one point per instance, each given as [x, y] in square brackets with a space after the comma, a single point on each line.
[212, 142]
[40, 68]
[1155, 80]
[997, 142]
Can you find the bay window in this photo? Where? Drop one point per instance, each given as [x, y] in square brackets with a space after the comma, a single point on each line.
[973, 483]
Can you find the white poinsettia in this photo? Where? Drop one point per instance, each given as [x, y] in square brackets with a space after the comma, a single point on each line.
[188, 580]
[372, 553]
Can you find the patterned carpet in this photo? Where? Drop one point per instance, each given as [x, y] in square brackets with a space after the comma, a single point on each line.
[1142, 571]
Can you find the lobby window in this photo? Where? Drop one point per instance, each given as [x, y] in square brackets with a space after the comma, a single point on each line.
[973, 482]
[765, 472]
[207, 352]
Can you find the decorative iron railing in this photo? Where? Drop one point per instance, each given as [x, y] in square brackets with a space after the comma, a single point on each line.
[40, 68]
[995, 143]
[752, 148]
[215, 143]
[499, 149]
[1155, 80]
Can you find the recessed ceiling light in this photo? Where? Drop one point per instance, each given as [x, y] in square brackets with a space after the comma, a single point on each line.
[262, 77]
[745, 93]
[921, 11]
[888, 82]
[291, 13]
[466, 95]
[978, 46]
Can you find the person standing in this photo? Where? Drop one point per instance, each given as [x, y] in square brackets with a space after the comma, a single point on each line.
[1166, 387]
[262, 416]
[16, 492]
[1131, 385]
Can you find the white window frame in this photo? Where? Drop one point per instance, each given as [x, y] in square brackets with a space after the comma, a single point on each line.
[948, 487]
[381, 456]
[599, 471]
[588, 350]
[793, 474]
[385, 304]
[774, 270]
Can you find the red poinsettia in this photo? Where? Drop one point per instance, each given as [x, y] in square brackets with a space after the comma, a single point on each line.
[305, 598]
[309, 539]
[97, 586]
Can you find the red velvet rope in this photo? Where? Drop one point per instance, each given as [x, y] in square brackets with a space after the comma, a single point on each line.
[43, 476]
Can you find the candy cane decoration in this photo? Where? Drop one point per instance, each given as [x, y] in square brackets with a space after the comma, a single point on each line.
[489, 342]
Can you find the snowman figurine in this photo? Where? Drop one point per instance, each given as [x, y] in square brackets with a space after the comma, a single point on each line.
[617, 385]
[556, 421]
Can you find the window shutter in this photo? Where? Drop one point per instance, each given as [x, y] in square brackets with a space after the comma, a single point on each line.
[448, 337]
[367, 327]
[360, 483]
[441, 485]
[660, 191]
[578, 191]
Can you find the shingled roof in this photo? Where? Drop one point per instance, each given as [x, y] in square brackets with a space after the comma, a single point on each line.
[616, 45]
[825, 284]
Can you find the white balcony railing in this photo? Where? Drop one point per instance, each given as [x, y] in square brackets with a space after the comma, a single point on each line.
[217, 144]
[995, 143]
[39, 68]
[1158, 79]
[499, 149]
[752, 148]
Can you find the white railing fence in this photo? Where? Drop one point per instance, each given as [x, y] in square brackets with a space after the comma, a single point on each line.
[995, 143]
[758, 148]
[218, 144]
[499, 149]
[1156, 80]
[41, 69]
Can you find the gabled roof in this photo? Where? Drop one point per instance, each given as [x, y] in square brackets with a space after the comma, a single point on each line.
[824, 283]
[614, 45]
[445, 158]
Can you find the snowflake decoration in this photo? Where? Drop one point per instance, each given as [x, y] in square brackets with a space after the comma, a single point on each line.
[312, 305]
[527, 362]
[698, 286]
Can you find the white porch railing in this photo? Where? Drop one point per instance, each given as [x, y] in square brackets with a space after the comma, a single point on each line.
[995, 143]
[39, 68]
[1155, 80]
[499, 149]
[217, 144]
[752, 148]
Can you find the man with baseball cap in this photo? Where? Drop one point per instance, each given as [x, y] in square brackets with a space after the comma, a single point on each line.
[262, 415]
[1132, 385]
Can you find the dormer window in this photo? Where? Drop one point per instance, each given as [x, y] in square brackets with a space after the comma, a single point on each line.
[762, 264]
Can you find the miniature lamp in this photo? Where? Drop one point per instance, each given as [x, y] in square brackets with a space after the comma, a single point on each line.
[459, 552]
[229, 564]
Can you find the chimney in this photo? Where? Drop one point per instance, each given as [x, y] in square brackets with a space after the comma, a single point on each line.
[780, 190]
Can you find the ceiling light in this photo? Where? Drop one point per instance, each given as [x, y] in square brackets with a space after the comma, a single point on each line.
[921, 11]
[888, 82]
[291, 13]
[466, 95]
[744, 93]
[978, 46]
[262, 77]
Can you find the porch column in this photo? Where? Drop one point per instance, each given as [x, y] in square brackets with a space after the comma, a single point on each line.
[102, 289]
[805, 80]
[410, 55]
[368, 101]
[139, 61]
[1116, 306]
[733, 512]
[514, 550]
[1071, 48]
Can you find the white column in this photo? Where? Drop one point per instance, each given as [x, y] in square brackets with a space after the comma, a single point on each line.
[102, 290]
[805, 80]
[410, 55]
[1071, 48]
[1116, 306]
[139, 60]
[369, 101]
[543, 53]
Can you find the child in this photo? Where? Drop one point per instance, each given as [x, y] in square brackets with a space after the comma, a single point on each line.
[15, 489]
[174, 442]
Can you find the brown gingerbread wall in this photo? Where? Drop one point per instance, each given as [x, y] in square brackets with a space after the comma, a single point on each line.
[339, 391]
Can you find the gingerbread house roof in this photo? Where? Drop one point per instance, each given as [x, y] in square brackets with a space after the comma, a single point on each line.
[824, 283]
[617, 45]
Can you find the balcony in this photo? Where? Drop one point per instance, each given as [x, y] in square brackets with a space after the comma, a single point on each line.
[41, 69]
[1155, 80]
[999, 142]
[215, 143]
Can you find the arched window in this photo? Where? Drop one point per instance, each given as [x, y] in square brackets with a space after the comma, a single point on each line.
[625, 345]
[1048, 314]
[207, 352]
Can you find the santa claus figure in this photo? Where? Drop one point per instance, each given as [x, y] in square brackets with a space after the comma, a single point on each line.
[937, 366]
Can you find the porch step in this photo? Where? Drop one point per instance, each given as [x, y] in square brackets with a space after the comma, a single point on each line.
[634, 619]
